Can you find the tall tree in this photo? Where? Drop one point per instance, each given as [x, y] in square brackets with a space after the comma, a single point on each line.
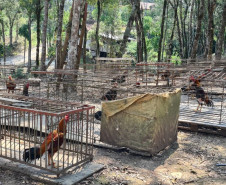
[83, 30]
[67, 37]
[97, 28]
[127, 31]
[3, 38]
[38, 20]
[72, 52]
[190, 29]
[29, 7]
[210, 31]
[59, 32]
[141, 28]
[198, 30]
[162, 30]
[220, 38]
[12, 9]
[44, 34]
[170, 47]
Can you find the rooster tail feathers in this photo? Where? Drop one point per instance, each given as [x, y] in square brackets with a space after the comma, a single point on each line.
[209, 102]
[31, 154]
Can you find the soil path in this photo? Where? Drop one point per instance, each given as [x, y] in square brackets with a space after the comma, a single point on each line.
[192, 160]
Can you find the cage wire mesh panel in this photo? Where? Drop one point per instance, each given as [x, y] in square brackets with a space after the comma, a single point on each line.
[59, 133]
[91, 85]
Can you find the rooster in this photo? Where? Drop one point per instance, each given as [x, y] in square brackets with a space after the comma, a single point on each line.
[10, 85]
[25, 89]
[197, 80]
[52, 143]
[202, 98]
[111, 94]
[120, 78]
[98, 115]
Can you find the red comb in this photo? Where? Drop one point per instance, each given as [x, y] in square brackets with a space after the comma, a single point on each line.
[192, 78]
[66, 117]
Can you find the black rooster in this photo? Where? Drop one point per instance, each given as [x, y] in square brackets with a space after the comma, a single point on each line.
[25, 89]
[119, 79]
[110, 95]
[202, 98]
[98, 115]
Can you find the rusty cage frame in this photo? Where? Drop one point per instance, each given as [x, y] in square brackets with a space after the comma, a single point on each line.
[25, 122]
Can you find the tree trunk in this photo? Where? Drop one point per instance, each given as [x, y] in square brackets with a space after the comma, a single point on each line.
[97, 29]
[140, 22]
[185, 37]
[72, 52]
[170, 47]
[84, 51]
[29, 48]
[220, 39]
[127, 32]
[180, 30]
[179, 34]
[198, 30]
[139, 42]
[11, 24]
[38, 16]
[44, 34]
[164, 34]
[66, 40]
[24, 50]
[3, 39]
[83, 30]
[59, 32]
[190, 29]
[17, 32]
[162, 30]
[10, 34]
[209, 37]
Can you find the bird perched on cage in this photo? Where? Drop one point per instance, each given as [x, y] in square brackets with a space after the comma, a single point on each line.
[52, 143]
[10, 84]
[97, 115]
[202, 98]
[25, 89]
[111, 94]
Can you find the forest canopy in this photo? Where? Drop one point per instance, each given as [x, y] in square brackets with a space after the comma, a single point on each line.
[147, 30]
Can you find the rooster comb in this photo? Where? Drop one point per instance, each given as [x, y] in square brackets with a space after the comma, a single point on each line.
[66, 117]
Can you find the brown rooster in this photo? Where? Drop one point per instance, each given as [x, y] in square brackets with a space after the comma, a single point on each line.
[202, 98]
[52, 143]
[10, 84]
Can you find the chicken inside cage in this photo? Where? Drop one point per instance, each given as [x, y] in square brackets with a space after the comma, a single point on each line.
[56, 140]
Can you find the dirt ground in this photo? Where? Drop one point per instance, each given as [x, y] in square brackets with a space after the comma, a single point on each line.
[192, 160]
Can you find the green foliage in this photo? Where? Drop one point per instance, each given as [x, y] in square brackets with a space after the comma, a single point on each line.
[28, 6]
[176, 60]
[152, 56]
[1, 50]
[125, 13]
[24, 31]
[132, 49]
[51, 51]
[19, 74]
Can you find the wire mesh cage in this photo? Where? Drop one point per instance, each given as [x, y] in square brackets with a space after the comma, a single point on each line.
[51, 135]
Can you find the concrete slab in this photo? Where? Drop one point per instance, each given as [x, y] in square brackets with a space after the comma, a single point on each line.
[72, 177]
